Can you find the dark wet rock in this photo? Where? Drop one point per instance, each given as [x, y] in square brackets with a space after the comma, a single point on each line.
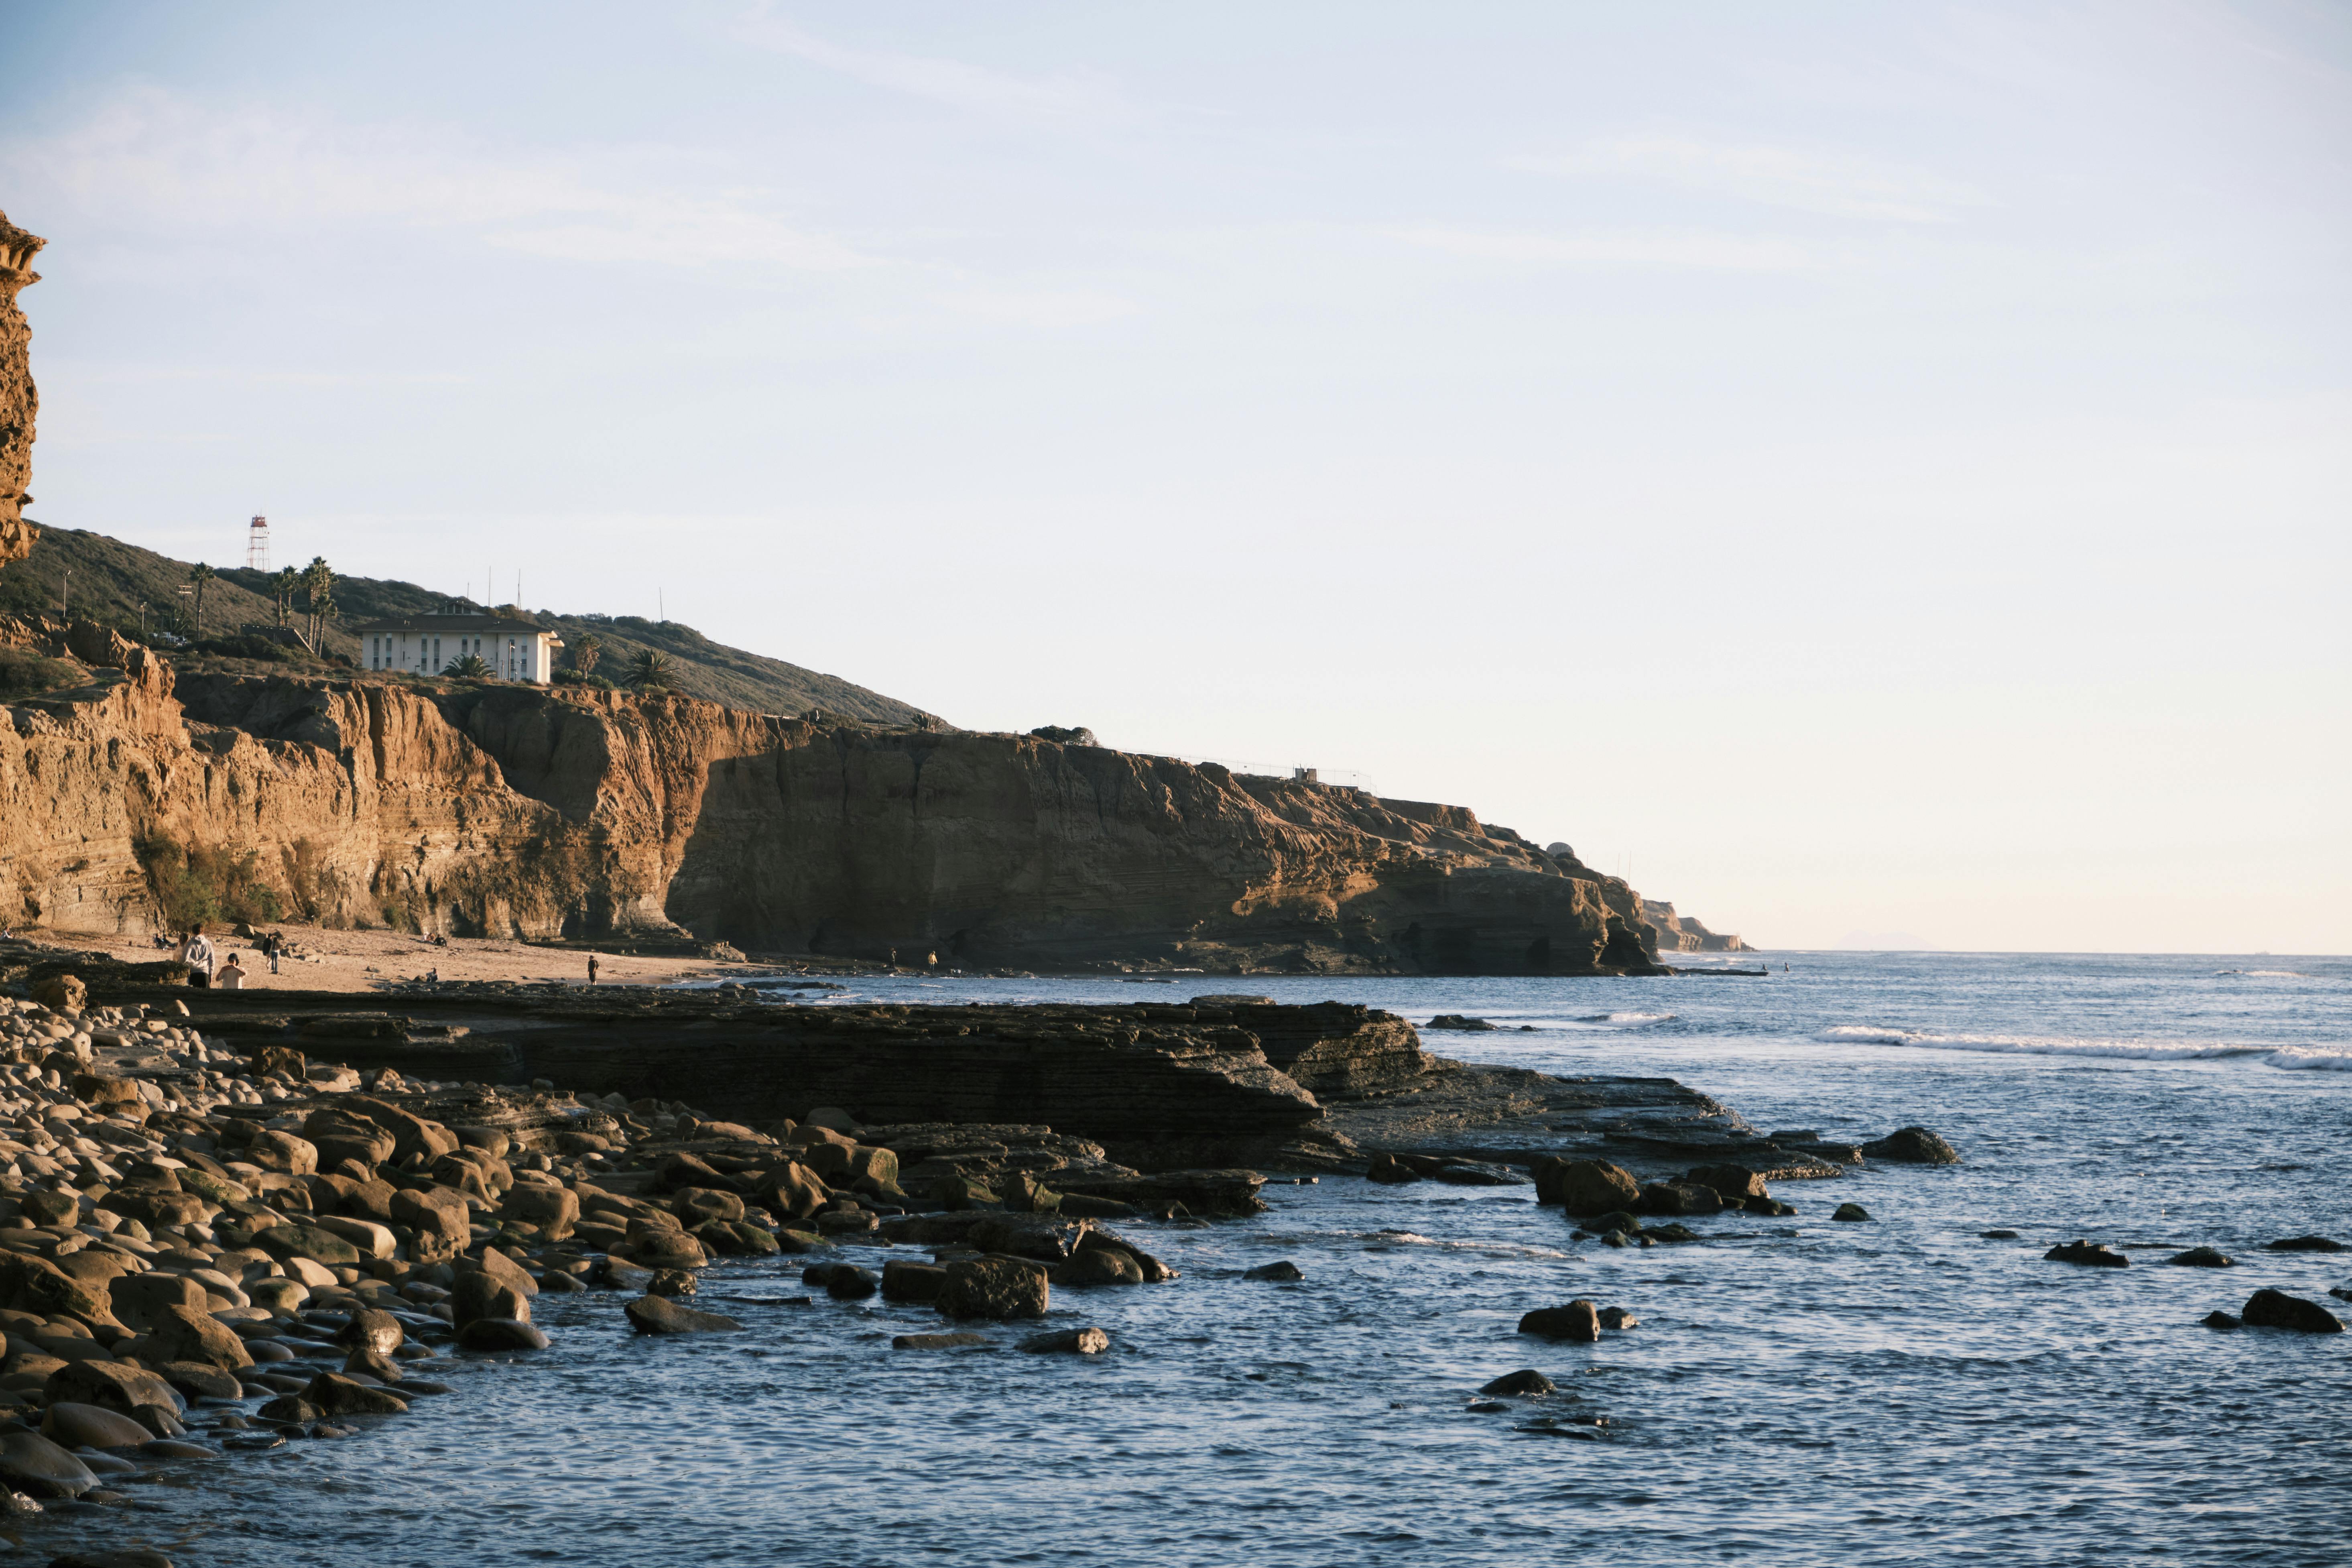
[91, 1426]
[2203, 1258]
[1996, 1235]
[936, 1342]
[1768, 1206]
[1527, 1384]
[2278, 1310]
[2093, 1255]
[335, 1394]
[1099, 1267]
[620, 1274]
[1390, 1171]
[197, 1380]
[1851, 1213]
[480, 1295]
[2341, 1292]
[291, 1409]
[1586, 1187]
[1068, 1342]
[1488, 1407]
[1913, 1146]
[1617, 1318]
[847, 1283]
[501, 1334]
[1727, 1181]
[1579, 1321]
[1460, 1021]
[910, 1281]
[2220, 1320]
[182, 1333]
[373, 1329]
[1478, 1173]
[2305, 1243]
[660, 1315]
[1679, 1198]
[112, 1385]
[672, 1282]
[994, 1288]
[366, 1363]
[1283, 1270]
[178, 1448]
[1615, 1238]
[1617, 1220]
[1669, 1235]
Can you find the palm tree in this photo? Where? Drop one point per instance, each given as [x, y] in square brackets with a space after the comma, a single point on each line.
[199, 575]
[473, 667]
[318, 583]
[650, 672]
[585, 652]
[282, 588]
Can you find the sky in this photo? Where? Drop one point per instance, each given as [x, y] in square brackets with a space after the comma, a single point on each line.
[1877, 475]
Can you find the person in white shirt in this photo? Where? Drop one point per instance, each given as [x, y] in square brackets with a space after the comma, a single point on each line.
[198, 956]
[231, 976]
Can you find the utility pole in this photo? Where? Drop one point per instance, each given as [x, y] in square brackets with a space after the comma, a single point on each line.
[65, 594]
[142, 620]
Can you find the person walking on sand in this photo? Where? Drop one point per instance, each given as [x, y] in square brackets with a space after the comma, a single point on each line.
[198, 956]
[271, 946]
[591, 969]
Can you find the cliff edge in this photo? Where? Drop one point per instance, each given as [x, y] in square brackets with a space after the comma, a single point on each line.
[487, 809]
[19, 401]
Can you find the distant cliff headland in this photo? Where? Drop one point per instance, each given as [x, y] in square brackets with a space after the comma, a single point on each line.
[174, 745]
[478, 808]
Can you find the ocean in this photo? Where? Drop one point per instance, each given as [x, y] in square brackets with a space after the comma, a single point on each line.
[1900, 1391]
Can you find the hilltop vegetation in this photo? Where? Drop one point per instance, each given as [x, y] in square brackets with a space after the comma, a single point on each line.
[138, 592]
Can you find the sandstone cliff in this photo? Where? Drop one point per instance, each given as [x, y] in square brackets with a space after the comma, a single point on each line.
[18, 401]
[1686, 933]
[491, 809]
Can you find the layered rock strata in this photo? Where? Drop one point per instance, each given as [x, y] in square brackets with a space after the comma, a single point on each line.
[506, 811]
[1159, 1087]
[19, 401]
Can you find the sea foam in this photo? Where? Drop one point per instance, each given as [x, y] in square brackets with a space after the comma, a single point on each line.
[2337, 1058]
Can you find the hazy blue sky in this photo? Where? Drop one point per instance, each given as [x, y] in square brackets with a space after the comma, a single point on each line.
[1866, 469]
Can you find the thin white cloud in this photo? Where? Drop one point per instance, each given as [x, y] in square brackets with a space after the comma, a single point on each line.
[178, 163]
[1694, 248]
[949, 81]
[1839, 184]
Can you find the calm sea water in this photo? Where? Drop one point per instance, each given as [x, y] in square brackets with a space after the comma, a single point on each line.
[1900, 1392]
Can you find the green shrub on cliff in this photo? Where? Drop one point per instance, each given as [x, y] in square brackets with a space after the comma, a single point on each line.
[24, 673]
[197, 885]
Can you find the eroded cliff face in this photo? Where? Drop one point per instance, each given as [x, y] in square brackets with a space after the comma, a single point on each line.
[18, 401]
[483, 810]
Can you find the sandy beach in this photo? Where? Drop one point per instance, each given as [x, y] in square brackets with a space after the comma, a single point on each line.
[369, 960]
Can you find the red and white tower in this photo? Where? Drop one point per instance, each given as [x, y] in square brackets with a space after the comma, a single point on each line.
[256, 545]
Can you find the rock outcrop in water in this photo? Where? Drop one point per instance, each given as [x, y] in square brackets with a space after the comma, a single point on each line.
[502, 810]
[19, 401]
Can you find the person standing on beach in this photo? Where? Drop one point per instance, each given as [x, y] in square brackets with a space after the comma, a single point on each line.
[591, 969]
[198, 956]
[271, 945]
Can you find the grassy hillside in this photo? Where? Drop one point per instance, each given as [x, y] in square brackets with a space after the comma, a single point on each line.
[106, 580]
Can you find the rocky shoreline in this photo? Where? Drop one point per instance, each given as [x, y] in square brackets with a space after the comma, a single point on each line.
[225, 1227]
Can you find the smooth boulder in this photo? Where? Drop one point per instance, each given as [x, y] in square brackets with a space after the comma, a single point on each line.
[2278, 1310]
[1577, 1322]
[1912, 1146]
[994, 1287]
[2090, 1255]
[660, 1315]
[1586, 1188]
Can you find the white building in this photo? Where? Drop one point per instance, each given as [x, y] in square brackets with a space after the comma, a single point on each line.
[429, 645]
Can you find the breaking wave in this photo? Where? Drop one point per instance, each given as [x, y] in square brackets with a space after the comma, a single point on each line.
[1625, 1019]
[2306, 1057]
